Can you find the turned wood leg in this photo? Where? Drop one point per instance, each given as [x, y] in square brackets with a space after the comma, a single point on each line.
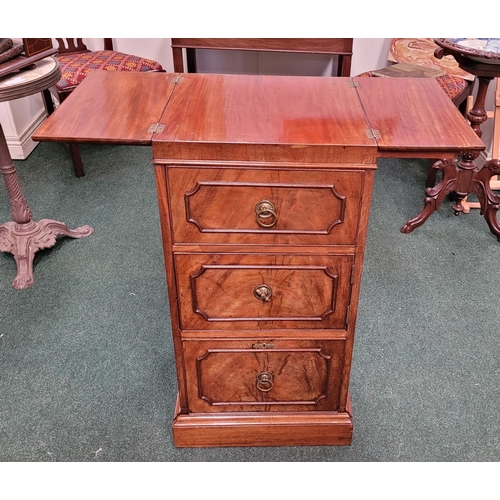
[466, 169]
[477, 115]
[489, 201]
[434, 195]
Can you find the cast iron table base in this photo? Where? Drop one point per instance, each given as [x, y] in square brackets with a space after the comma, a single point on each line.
[23, 237]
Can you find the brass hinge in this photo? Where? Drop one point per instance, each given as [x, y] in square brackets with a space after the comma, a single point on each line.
[352, 83]
[156, 128]
[373, 133]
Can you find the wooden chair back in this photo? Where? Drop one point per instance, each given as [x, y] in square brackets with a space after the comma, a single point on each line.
[71, 45]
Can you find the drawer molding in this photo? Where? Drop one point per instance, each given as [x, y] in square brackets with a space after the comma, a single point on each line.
[275, 186]
[330, 299]
[264, 398]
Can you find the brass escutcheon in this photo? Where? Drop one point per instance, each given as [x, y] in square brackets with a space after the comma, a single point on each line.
[265, 210]
[264, 382]
[263, 345]
[263, 292]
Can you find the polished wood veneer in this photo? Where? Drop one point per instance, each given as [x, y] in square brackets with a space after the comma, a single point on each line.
[264, 190]
[308, 291]
[246, 128]
[310, 204]
[264, 187]
[414, 120]
[120, 112]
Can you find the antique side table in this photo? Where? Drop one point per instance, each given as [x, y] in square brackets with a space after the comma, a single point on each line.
[477, 57]
[23, 237]
[264, 187]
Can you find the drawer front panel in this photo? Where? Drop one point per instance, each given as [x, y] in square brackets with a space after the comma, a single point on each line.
[231, 291]
[263, 376]
[264, 206]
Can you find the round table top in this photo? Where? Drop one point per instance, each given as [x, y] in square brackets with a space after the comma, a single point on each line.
[482, 50]
[25, 82]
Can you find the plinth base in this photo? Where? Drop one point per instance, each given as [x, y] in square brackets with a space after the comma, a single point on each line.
[198, 430]
[24, 240]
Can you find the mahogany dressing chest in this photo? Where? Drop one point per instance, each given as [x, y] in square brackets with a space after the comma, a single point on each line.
[264, 186]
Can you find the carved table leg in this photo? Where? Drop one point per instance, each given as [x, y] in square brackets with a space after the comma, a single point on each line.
[23, 237]
[462, 177]
[466, 170]
[435, 195]
[489, 202]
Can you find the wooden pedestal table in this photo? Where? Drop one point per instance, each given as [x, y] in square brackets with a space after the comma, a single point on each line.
[264, 186]
[23, 237]
[463, 177]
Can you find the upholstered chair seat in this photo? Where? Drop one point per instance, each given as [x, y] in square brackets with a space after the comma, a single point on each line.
[75, 67]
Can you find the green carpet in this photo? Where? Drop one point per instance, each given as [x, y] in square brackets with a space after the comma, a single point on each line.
[86, 364]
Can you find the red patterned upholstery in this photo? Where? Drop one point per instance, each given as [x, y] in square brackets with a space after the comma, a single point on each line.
[452, 85]
[75, 67]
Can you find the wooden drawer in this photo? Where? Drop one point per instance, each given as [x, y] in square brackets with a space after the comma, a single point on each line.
[261, 291]
[264, 206]
[251, 375]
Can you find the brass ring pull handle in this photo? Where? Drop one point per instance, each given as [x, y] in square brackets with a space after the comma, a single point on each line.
[264, 381]
[265, 210]
[263, 292]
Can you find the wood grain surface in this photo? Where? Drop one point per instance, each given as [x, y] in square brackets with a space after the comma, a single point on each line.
[109, 107]
[414, 115]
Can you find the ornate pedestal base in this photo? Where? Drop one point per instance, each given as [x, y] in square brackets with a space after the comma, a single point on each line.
[462, 177]
[23, 237]
[24, 240]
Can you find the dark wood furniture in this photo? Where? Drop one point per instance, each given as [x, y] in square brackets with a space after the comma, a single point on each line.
[340, 47]
[486, 67]
[264, 187]
[264, 224]
[36, 46]
[80, 64]
[23, 237]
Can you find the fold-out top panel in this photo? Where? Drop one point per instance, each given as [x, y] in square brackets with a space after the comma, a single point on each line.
[110, 107]
[412, 116]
